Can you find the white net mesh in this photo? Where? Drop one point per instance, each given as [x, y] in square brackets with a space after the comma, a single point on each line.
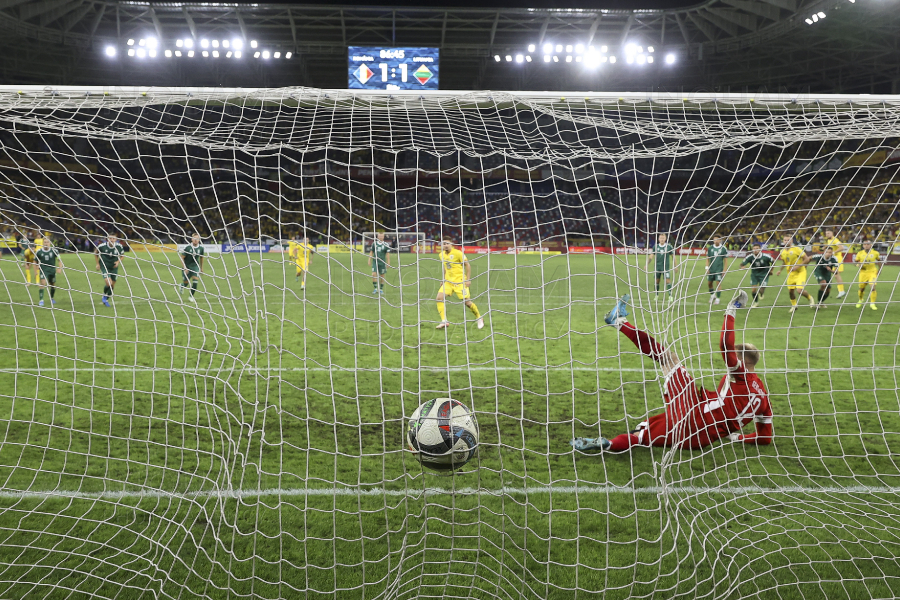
[251, 443]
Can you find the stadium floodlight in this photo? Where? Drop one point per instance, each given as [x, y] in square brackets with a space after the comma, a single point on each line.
[237, 53]
[190, 54]
[577, 59]
[555, 58]
[276, 55]
[569, 48]
[528, 58]
[809, 21]
[548, 48]
[131, 52]
[266, 54]
[569, 58]
[591, 48]
[188, 43]
[168, 54]
[650, 49]
[178, 53]
[237, 44]
[215, 43]
[256, 55]
[629, 59]
[641, 59]
[288, 55]
[815, 18]
[110, 51]
[604, 49]
[821, 15]
[508, 58]
[497, 58]
[130, 42]
[579, 48]
[559, 48]
[179, 43]
[204, 43]
[228, 55]
[520, 58]
[151, 53]
[547, 58]
[612, 60]
[215, 53]
[253, 43]
[206, 54]
[650, 59]
[225, 43]
[141, 53]
[670, 59]
[531, 47]
[152, 43]
[141, 42]
[630, 49]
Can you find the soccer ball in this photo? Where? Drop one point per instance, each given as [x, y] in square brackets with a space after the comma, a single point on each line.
[443, 433]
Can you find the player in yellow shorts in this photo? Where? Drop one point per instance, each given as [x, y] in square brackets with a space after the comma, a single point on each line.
[31, 266]
[838, 248]
[301, 253]
[868, 273]
[457, 274]
[795, 259]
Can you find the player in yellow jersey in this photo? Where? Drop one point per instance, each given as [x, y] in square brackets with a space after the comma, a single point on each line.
[795, 259]
[301, 253]
[457, 275]
[31, 267]
[868, 273]
[838, 248]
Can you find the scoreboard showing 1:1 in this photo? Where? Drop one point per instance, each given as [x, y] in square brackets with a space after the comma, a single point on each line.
[376, 68]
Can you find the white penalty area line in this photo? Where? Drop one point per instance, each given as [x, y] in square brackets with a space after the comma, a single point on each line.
[240, 494]
[408, 370]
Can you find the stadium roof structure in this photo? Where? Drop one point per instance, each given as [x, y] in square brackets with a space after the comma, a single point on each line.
[717, 45]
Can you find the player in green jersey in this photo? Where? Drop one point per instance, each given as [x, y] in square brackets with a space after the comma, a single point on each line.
[826, 268]
[191, 265]
[760, 268]
[109, 257]
[379, 260]
[664, 253]
[716, 265]
[47, 258]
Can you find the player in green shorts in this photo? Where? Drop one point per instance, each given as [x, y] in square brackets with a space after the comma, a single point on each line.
[716, 265]
[379, 260]
[760, 268]
[826, 267]
[49, 263]
[109, 257]
[192, 265]
[664, 253]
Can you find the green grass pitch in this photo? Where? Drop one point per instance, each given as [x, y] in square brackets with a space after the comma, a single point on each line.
[251, 446]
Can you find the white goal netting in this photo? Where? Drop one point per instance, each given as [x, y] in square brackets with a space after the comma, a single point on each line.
[235, 427]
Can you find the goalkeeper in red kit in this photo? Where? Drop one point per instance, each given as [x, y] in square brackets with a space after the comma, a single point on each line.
[696, 417]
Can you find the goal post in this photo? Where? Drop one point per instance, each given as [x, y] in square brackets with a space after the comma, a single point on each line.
[232, 427]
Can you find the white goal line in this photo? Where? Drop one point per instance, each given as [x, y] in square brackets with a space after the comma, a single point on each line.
[455, 369]
[441, 491]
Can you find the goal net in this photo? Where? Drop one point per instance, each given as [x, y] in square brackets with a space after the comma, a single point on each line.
[233, 423]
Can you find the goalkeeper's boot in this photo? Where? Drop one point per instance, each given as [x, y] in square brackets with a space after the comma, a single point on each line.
[584, 444]
[619, 311]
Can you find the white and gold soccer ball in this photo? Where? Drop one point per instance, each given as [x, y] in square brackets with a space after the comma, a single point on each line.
[443, 433]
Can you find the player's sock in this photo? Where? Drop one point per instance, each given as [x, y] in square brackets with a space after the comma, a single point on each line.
[52, 291]
[840, 288]
[793, 302]
[28, 276]
[381, 286]
[819, 295]
[873, 297]
[442, 311]
[862, 293]
[826, 294]
[623, 442]
[474, 310]
[374, 286]
[193, 288]
[41, 294]
[718, 294]
[107, 291]
[756, 296]
[643, 340]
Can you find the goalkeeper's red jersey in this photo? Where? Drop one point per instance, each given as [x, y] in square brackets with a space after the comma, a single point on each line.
[742, 397]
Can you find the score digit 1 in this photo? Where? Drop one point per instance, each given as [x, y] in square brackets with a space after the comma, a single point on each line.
[403, 72]
[383, 71]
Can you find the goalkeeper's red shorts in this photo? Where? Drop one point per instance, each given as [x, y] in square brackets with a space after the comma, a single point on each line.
[683, 423]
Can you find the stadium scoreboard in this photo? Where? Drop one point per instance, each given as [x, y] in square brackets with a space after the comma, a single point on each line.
[376, 68]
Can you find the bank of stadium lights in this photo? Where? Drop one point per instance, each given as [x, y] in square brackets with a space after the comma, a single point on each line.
[150, 47]
[590, 56]
[815, 18]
